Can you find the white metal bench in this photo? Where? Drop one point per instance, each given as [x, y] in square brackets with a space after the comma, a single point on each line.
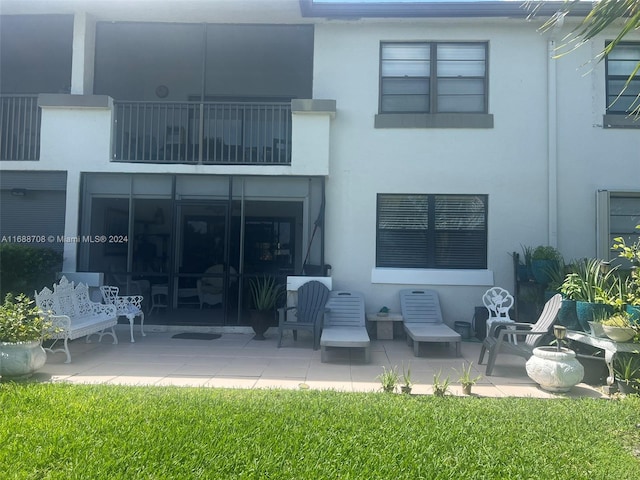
[74, 315]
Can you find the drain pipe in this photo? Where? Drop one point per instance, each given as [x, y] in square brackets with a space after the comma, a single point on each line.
[552, 136]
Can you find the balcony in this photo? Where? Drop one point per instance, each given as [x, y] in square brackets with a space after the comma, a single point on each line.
[223, 133]
[19, 127]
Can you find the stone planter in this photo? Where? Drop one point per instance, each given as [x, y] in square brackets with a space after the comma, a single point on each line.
[619, 334]
[20, 360]
[553, 370]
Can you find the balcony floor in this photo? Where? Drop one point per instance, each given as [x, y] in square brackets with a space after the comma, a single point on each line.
[235, 360]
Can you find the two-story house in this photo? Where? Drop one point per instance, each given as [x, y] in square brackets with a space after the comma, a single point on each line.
[181, 143]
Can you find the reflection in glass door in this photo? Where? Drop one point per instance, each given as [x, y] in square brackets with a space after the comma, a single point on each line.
[200, 282]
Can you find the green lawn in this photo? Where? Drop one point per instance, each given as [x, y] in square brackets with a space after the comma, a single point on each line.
[113, 432]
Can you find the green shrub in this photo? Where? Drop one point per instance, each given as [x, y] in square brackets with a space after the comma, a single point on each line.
[24, 269]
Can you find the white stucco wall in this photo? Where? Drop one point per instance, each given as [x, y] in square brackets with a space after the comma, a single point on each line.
[509, 163]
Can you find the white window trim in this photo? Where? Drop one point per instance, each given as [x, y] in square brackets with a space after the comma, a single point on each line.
[418, 276]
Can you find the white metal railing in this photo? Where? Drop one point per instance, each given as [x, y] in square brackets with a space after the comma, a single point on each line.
[203, 132]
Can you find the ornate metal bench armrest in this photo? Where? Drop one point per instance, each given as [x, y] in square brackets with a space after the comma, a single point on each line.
[104, 309]
[61, 323]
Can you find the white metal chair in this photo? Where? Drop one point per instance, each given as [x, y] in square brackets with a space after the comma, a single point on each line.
[498, 302]
[126, 306]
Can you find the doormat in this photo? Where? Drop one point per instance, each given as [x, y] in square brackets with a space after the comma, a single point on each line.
[197, 336]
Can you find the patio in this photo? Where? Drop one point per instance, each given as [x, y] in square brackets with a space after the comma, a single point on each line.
[235, 360]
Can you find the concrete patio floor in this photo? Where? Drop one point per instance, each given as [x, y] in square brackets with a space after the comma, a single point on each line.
[235, 360]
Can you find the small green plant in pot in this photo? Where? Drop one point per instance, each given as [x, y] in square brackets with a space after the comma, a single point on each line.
[466, 379]
[618, 327]
[22, 328]
[626, 367]
[266, 292]
[389, 379]
[407, 384]
[440, 386]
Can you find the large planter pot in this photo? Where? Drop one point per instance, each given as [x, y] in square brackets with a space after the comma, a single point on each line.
[260, 322]
[553, 370]
[20, 360]
[540, 270]
[634, 313]
[591, 312]
[567, 316]
[619, 334]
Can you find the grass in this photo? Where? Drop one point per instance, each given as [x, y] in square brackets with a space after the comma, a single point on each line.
[117, 432]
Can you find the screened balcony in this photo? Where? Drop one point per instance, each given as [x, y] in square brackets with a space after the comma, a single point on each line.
[202, 132]
[19, 127]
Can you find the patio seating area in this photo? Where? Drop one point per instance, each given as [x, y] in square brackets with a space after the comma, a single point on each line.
[235, 360]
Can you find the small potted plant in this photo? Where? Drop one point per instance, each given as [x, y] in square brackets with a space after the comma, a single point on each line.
[265, 295]
[626, 368]
[407, 384]
[22, 328]
[466, 380]
[632, 254]
[389, 379]
[440, 387]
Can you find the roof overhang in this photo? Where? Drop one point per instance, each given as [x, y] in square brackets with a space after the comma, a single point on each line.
[438, 9]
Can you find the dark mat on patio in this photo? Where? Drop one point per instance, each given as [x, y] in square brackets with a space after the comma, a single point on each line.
[197, 336]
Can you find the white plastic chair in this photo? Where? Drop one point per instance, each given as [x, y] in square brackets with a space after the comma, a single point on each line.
[126, 306]
[498, 302]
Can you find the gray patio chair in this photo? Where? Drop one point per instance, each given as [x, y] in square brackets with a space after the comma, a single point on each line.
[312, 298]
[422, 319]
[534, 335]
[344, 324]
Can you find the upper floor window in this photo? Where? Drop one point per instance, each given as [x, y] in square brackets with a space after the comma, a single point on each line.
[432, 231]
[433, 77]
[620, 64]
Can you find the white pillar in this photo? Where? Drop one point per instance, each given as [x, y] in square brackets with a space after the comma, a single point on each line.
[82, 61]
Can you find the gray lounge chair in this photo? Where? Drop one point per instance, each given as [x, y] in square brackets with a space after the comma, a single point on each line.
[344, 323]
[535, 333]
[422, 319]
[312, 298]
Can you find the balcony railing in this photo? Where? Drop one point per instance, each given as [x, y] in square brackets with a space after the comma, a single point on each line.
[19, 127]
[203, 132]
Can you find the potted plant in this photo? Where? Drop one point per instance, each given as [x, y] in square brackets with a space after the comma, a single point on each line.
[265, 295]
[626, 367]
[22, 328]
[407, 384]
[389, 379]
[632, 254]
[466, 380]
[592, 284]
[440, 387]
[543, 259]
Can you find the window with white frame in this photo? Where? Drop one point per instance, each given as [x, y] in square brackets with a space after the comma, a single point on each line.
[620, 64]
[433, 77]
[431, 231]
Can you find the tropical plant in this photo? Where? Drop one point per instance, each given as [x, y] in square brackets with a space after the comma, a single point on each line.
[626, 366]
[440, 387]
[24, 268]
[389, 379]
[407, 384]
[620, 319]
[622, 14]
[632, 253]
[265, 292]
[22, 321]
[590, 281]
[466, 380]
[546, 252]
